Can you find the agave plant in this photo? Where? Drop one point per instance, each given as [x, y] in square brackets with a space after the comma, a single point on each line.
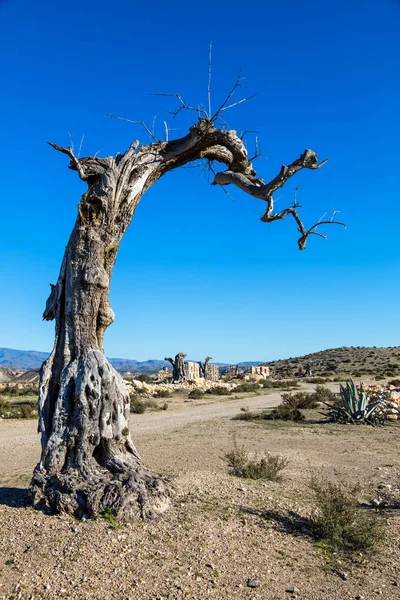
[355, 406]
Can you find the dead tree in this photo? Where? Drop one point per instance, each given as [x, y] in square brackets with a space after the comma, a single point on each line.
[178, 367]
[88, 461]
[203, 366]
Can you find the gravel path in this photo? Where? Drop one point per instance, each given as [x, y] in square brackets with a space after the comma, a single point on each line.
[20, 442]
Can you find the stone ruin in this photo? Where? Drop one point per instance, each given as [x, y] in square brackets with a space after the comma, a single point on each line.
[260, 370]
[188, 371]
[212, 372]
[192, 370]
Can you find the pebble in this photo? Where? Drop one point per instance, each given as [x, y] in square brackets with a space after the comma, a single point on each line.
[252, 582]
[293, 590]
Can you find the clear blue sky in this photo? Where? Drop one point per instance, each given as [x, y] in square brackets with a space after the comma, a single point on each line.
[197, 271]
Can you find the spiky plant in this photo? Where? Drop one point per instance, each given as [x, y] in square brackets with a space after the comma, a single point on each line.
[355, 406]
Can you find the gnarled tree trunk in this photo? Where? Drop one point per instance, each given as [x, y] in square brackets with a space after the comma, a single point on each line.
[89, 462]
[178, 367]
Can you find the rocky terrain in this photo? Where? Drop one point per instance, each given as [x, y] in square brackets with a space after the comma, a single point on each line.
[355, 361]
[224, 537]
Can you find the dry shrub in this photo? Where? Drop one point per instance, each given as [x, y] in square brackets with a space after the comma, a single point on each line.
[280, 413]
[324, 394]
[339, 523]
[246, 386]
[161, 394]
[219, 390]
[281, 383]
[267, 467]
[196, 394]
[299, 400]
[137, 405]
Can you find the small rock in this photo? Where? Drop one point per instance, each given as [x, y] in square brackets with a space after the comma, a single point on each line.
[210, 566]
[293, 590]
[252, 582]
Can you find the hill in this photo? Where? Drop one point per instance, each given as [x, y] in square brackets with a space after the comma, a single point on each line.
[26, 359]
[355, 361]
[30, 360]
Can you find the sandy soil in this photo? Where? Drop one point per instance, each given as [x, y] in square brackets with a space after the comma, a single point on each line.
[220, 530]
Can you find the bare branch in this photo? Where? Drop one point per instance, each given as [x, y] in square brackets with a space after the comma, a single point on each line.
[70, 152]
[183, 105]
[81, 144]
[257, 152]
[225, 105]
[71, 140]
[142, 123]
[238, 102]
[264, 191]
[248, 131]
[209, 80]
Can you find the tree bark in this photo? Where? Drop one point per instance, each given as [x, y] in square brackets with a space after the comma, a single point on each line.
[203, 366]
[88, 461]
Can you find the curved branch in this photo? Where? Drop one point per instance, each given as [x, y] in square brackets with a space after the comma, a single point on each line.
[264, 191]
[75, 164]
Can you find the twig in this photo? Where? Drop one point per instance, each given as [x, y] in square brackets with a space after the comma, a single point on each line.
[184, 106]
[225, 105]
[81, 144]
[209, 80]
[142, 123]
[71, 140]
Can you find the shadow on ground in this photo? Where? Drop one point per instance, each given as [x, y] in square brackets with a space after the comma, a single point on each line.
[15, 497]
[291, 522]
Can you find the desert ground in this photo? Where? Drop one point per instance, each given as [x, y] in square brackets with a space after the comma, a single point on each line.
[222, 533]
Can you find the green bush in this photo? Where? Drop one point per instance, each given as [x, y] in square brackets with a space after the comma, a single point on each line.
[324, 394]
[316, 379]
[338, 521]
[161, 394]
[137, 405]
[246, 386]
[280, 413]
[266, 467]
[196, 394]
[279, 384]
[144, 378]
[299, 400]
[219, 390]
[14, 390]
[4, 406]
[109, 516]
[284, 413]
[26, 411]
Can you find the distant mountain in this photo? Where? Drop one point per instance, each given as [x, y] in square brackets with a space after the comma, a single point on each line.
[26, 359]
[124, 365]
[30, 359]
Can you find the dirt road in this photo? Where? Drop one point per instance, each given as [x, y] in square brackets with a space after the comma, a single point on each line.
[20, 442]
